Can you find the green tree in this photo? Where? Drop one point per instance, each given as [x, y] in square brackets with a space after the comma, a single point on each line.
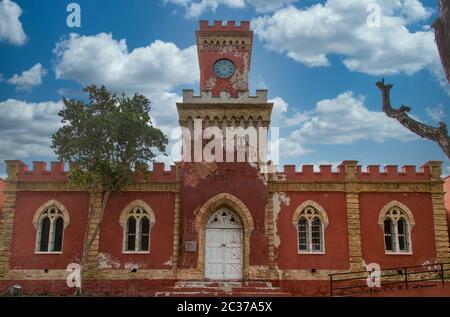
[105, 142]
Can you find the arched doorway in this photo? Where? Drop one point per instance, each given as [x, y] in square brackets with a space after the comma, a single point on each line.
[224, 246]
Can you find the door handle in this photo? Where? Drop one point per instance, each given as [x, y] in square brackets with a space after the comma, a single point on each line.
[224, 244]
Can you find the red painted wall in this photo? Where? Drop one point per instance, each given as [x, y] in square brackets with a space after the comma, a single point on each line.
[207, 61]
[238, 179]
[422, 235]
[336, 255]
[161, 235]
[207, 58]
[24, 234]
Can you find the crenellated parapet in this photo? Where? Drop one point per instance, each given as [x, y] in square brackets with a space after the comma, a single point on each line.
[158, 173]
[19, 171]
[307, 172]
[392, 172]
[229, 26]
[224, 97]
[430, 171]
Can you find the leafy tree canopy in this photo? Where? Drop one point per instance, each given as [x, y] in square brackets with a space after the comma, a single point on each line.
[106, 139]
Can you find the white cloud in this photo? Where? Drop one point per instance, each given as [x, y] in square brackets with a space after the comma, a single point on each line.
[412, 10]
[290, 148]
[280, 116]
[339, 27]
[29, 78]
[164, 111]
[436, 113]
[280, 108]
[195, 8]
[341, 120]
[26, 128]
[345, 120]
[10, 26]
[100, 59]
[269, 5]
[154, 70]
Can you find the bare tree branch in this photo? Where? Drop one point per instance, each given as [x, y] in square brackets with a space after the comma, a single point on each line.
[442, 34]
[438, 135]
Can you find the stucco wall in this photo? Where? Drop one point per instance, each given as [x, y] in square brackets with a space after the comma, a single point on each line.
[336, 238]
[422, 235]
[24, 234]
[240, 180]
[161, 238]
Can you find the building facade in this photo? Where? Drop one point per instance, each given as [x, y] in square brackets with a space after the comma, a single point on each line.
[220, 221]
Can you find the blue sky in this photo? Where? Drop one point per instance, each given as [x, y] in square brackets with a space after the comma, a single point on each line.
[318, 59]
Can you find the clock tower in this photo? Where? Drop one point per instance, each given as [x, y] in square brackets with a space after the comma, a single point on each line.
[224, 53]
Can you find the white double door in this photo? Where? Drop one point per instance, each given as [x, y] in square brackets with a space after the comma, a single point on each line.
[223, 256]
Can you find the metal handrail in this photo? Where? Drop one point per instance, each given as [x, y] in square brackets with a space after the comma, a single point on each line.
[407, 277]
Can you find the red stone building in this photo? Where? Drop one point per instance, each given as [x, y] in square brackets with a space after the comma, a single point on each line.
[282, 232]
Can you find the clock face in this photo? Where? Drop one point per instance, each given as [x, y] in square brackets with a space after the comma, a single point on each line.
[224, 68]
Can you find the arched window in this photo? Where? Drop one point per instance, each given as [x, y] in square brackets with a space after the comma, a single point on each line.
[310, 220]
[388, 230]
[50, 229]
[137, 230]
[397, 222]
[303, 234]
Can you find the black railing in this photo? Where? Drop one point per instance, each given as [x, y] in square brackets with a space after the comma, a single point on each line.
[355, 283]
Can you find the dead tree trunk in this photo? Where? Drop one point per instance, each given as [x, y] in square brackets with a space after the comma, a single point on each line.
[442, 34]
[438, 135]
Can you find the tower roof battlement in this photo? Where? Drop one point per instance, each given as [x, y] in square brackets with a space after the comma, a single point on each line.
[224, 97]
[229, 26]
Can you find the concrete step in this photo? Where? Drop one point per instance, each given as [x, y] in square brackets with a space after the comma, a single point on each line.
[219, 294]
[223, 289]
[214, 284]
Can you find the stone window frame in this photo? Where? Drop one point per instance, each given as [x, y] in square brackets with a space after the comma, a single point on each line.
[229, 220]
[407, 215]
[323, 217]
[37, 224]
[128, 212]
